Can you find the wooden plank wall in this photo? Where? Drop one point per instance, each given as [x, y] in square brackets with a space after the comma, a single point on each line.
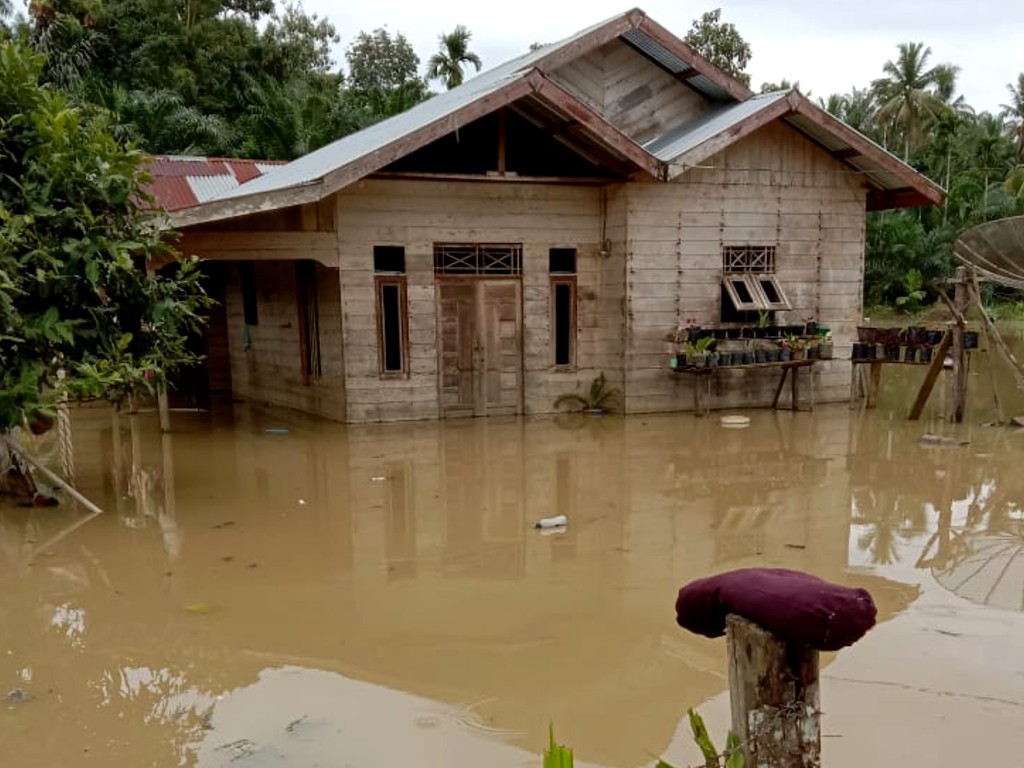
[270, 370]
[416, 214]
[774, 187]
[634, 94]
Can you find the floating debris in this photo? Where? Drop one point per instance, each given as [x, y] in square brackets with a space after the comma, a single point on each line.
[276, 430]
[938, 441]
[18, 696]
[558, 521]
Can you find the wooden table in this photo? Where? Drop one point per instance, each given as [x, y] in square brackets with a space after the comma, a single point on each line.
[789, 368]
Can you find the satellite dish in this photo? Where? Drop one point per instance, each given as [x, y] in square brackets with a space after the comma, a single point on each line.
[996, 250]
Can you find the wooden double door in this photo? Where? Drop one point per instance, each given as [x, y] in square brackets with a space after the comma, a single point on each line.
[480, 346]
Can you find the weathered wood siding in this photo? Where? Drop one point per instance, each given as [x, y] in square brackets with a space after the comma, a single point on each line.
[418, 214]
[269, 367]
[774, 187]
[638, 97]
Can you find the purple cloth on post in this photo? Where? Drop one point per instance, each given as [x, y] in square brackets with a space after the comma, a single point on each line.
[796, 607]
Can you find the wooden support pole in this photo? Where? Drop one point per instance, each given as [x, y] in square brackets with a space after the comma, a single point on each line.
[959, 381]
[938, 360]
[164, 407]
[773, 690]
[874, 384]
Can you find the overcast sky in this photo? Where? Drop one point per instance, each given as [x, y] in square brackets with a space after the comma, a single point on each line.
[826, 45]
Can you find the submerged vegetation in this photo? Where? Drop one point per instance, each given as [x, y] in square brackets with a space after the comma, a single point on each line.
[598, 398]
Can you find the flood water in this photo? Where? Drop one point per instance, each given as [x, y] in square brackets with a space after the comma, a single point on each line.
[267, 589]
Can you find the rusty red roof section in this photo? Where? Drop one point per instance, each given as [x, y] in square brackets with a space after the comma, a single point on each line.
[182, 182]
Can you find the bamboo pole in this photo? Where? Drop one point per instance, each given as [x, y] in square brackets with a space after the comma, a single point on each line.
[55, 479]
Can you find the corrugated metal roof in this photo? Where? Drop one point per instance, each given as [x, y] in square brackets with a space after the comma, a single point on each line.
[181, 181]
[683, 138]
[314, 166]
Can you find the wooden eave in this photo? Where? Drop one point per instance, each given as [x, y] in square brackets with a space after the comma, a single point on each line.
[915, 190]
[729, 136]
[918, 189]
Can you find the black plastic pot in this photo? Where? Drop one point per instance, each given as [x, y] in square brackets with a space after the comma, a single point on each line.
[910, 354]
[748, 358]
[970, 339]
[892, 352]
[926, 354]
[932, 337]
[915, 335]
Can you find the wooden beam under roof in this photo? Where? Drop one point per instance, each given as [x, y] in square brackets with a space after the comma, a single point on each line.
[596, 125]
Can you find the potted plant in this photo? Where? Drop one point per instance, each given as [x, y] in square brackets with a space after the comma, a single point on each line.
[598, 399]
[760, 352]
[825, 346]
[797, 347]
[702, 349]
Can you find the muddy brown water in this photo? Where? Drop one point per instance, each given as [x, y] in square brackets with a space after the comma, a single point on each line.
[267, 589]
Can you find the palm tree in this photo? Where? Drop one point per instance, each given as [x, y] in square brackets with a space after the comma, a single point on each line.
[992, 151]
[446, 64]
[1013, 113]
[908, 95]
[290, 119]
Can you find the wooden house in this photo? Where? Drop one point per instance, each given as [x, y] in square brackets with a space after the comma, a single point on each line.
[549, 220]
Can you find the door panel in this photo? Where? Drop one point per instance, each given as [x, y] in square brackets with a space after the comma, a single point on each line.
[456, 323]
[500, 331]
[480, 346]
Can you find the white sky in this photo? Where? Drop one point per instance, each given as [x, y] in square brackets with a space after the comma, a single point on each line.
[826, 45]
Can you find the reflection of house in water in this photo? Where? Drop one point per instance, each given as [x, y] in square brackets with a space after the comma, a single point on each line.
[404, 555]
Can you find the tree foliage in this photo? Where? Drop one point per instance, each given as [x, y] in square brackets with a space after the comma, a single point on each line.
[720, 43]
[446, 65]
[75, 238]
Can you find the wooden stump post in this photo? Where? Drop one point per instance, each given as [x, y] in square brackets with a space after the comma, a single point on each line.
[773, 689]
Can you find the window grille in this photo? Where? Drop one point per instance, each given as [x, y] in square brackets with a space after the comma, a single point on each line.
[740, 259]
[478, 259]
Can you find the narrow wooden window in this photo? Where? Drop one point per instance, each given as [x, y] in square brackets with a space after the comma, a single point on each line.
[247, 272]
[562, 266]
[392, 312]
[309, 319]
[391, 323]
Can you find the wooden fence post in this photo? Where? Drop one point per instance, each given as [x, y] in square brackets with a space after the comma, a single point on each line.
[960, 301]
[773, 689]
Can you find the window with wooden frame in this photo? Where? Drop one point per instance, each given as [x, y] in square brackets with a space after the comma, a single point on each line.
[749, 281]
[392, 310]
[308, 293]
[562, 266]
